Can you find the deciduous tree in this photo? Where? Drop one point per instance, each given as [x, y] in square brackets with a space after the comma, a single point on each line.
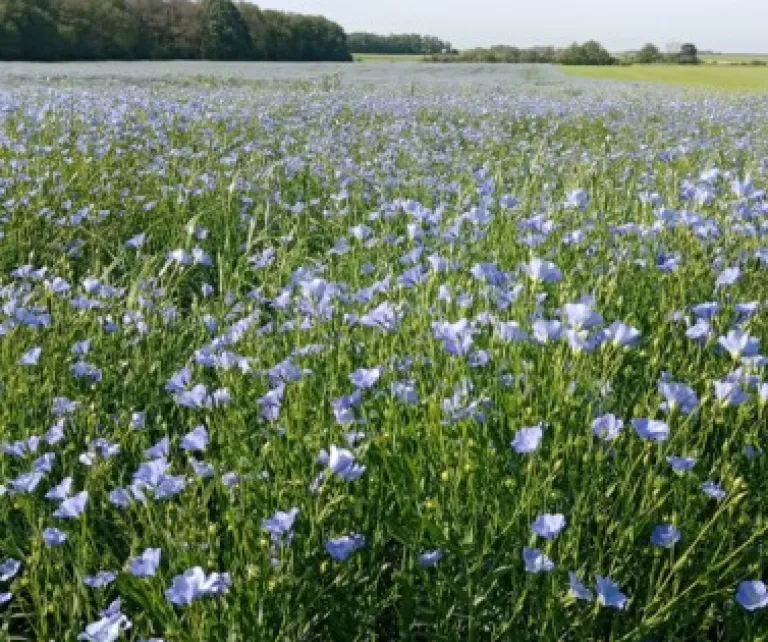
[225, 34]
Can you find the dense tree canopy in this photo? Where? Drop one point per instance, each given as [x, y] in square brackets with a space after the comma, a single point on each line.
[371, 43]
[588, 53]
[689, 54]
[290, 36]
[163, 29]
[649, 54]
[225, 34]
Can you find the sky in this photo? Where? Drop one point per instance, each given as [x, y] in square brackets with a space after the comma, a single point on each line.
[732, 26]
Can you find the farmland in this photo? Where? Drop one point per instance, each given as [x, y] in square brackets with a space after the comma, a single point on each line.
[388, 57]
[733, 58]
[380, 352]
[710, 77]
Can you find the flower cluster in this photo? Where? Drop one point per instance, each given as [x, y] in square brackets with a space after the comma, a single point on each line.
[279, 362]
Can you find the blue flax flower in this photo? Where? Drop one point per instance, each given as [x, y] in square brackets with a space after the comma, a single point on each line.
[145, 565]
[429, 559]
[9, 569]
[536, 561]
[608, 593]
[340, 548]
[577, 588]
[665, 535]
[681, 464]
[196, 440]
[54, 537]
[100, 580]
[752, 595]
[72, 507]
[548, 525]
[194, 584]
[527, 439]
[607, 427]
[713, 490]
[651, 429]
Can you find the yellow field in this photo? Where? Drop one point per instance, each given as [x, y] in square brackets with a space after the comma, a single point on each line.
[728, 78]
[734, 58]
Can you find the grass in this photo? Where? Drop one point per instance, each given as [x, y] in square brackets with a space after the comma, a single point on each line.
[727, 58]
[351, 290]
[727, 78]
[388, 58]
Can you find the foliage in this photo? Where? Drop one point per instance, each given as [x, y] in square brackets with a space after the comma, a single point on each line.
[27, 30]
[94, 29]
[257, 26]
[167, 30]
[649, 54]
[588, 53]
[162, 29]
[290, 36]
[415, 44]
[689, 55]
[225, 34]
[501, 54]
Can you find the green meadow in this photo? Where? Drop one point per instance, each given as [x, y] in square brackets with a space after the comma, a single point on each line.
[722, 77]
[387, 58]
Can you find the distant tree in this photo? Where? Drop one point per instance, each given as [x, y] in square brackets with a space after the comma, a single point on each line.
[186, 29]
[254, 19]
[572, 55]
[406, 43]
[589, 53]
[278, 36]
[96, 30]
[154, 20]
[505, 54]
[225, 34]
[28, 30]
[689, 55]
[649, 54]
[332, 41]
[290, 36]
[596, 54]
[10, 34]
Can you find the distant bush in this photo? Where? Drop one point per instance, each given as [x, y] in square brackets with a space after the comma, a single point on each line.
[589, 53]
[407, 43]
[649, 54]
[688, 55]
[501, 54]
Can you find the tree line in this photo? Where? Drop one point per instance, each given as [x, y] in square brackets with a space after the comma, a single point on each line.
[405, 43]
[651, 54]
[61, 30]
[587, 53]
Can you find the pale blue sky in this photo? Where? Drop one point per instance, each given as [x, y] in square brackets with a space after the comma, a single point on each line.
[735, 26]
